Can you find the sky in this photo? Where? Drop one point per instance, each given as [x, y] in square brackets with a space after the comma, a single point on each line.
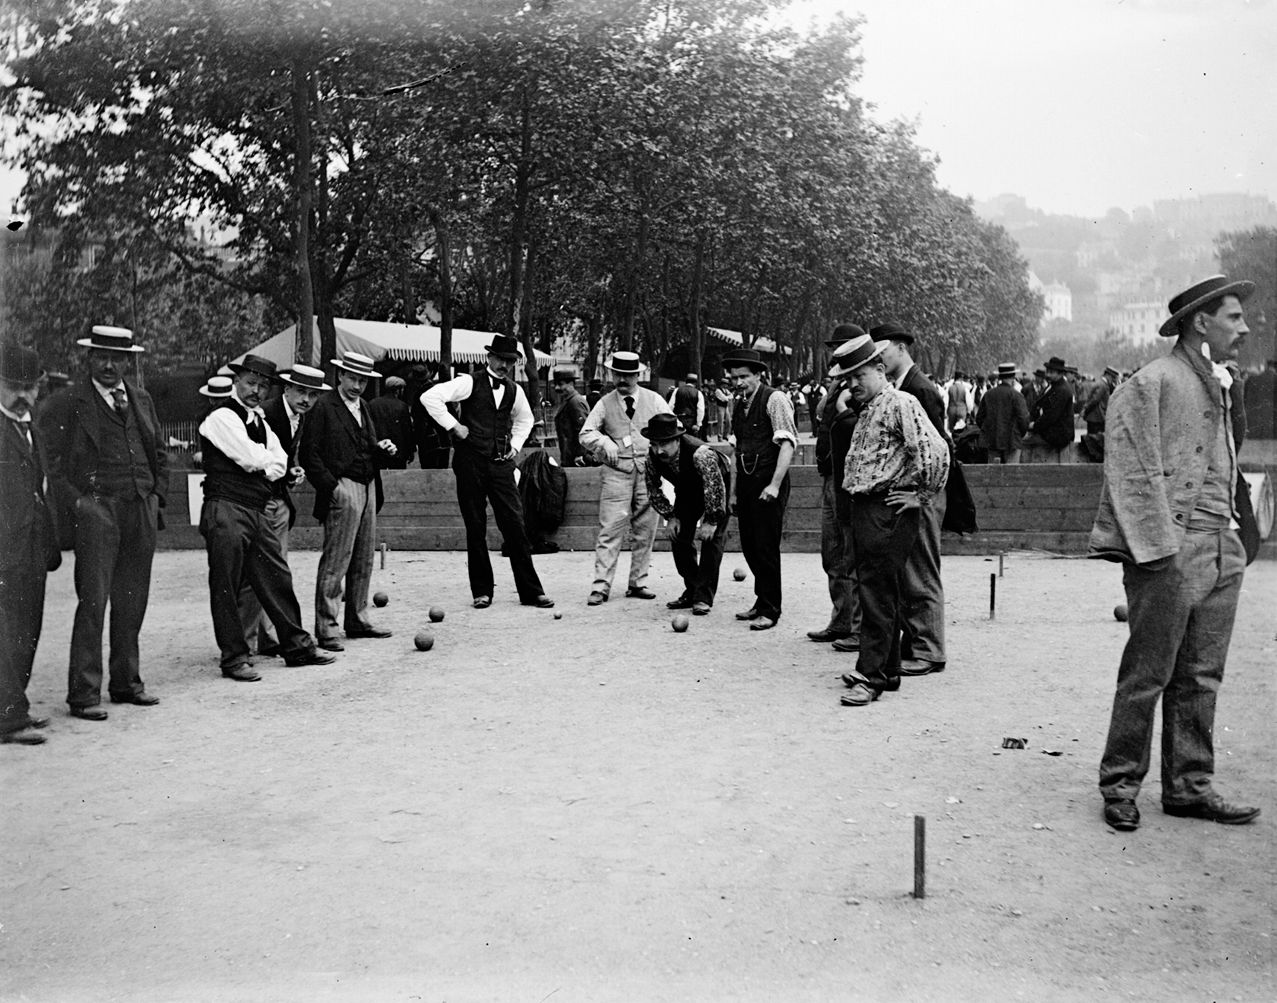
[1078, 105]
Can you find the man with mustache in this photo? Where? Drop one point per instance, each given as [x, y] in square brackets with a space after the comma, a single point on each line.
[105, 451]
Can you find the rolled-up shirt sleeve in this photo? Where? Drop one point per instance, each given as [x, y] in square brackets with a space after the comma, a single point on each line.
[227, 431]
[780, 409]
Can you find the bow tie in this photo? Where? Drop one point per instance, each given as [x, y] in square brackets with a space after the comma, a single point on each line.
[497, 382]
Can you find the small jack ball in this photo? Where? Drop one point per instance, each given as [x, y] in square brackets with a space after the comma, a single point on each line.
[424, 640]
[679, 623]
[1121, 613]
[436, 614]
[739, 574]
[380, 599]
[558, 616]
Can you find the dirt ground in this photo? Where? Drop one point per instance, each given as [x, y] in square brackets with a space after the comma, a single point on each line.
[598, 808]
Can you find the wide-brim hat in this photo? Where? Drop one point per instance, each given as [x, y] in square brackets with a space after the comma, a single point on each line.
[625, 362]
[745, 357]
[360, 365]
[1190, 299]
[306, 377]
[1055, 363]
[217, 386]
[855, 354]
[504, 348]
[662, 427]
[843, 333]
[1006, 369]
[256, 364]
[19, 365]
[890, 331]
[110, 339]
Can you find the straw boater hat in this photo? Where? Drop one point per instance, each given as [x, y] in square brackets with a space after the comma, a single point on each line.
[217, 386]
[1110, 371]
[504, 348]
[19, 365]
[1199, 295]
[890, 331]
[360, 365]
[256, 364]
[110, 339]
[306, 377]
[662, 427]
[843, 333]
[745, 357]
[1006, 369]
[625, 362]
[855, 354]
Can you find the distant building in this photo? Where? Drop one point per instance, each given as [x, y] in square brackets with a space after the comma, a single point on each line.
[1228, 211]
[1057, 299]
[1137, 321]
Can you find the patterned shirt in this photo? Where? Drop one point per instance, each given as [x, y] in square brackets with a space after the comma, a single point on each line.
[705, 460]
[895, 447]
[780, 411]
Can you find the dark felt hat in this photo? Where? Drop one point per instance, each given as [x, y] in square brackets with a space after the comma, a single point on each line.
[19, 365]
[563, 376]
[1055, 363]
[843, 333]
[662, 427]
[891, 331]
[256, 364]
[1199, 295]
[745, 357]
[504, 348]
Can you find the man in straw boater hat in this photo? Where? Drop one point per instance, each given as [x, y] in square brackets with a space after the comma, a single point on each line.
[766, 436]
[340, 449]
[494, 424]
[243, 459]
[896, 462]
[286, 416]
[613, 432]
[837, 556]
[106, 452]
[1051, 415]
[1003, 417]
[28, 542]
[1169, 512]
[701, 477]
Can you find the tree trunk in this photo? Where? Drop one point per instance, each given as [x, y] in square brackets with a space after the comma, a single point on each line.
[304, 345]
[632, 290]
[696, 332]
[443, 250]
[519, 224]
[322, 278]
[531, 375]
[592, 326]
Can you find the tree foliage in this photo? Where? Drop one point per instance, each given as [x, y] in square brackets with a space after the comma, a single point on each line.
[1252, 254]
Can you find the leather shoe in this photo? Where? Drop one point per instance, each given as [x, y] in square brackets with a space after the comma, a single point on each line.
[313, 657]
[753, 613]
[142, 699]
[682, 602]
[540, 602]
[762, 623]
[37, 722]
[1122, 814]
[826, 635]
[369, 631]
[918, 667]
[1213, 808]
[242, 673]
[22, 736]
[847, 644]
[94, 713]
[596, 599]
[701, 609]
[482, 602]
[639, 592]
[859, 695]
[329, 644]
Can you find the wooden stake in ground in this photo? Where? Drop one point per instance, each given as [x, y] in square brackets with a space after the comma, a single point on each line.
[993, 594]
[919, 857]
[1001, 554]
[383, 557]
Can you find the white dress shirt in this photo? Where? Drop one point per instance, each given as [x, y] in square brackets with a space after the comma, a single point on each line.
[224, 430]
[438, 397]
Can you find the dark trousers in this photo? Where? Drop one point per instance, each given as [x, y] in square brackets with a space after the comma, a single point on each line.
[243, 548]
[479, 481]
[883, 538]
[761, 524]
[114, 547]
[699, 573]
[21, 611]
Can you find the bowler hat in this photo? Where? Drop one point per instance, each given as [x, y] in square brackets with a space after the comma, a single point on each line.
[745, 357]
[662, 427]
[1055, 363]
[110, 339]
[256, 364]
[891, 331]
[306, 377]
[563, 376]
[854, 355]
[624, 362]
[1006, 369]
[19, 365]
[1190, 299]
[217, 386]
[360, 365]
[504, 348]
[844, 333]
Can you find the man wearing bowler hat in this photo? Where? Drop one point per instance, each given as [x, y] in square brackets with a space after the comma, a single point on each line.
[1169, 513]
[340, 452]
[613, 432]
[243, 458]
[766, 436]
[495, 422]
[105, 451]
[701, 477]
[1051, 416]
[28, 542]
[286, 416]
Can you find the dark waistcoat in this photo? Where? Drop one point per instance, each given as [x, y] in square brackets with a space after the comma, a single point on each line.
[224, 478]
[756, 453]
[489, 425]
[123, 468]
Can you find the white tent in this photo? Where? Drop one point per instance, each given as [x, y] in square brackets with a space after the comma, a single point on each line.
[764, 345]
[381, 340]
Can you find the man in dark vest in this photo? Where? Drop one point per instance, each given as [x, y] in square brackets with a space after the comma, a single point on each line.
[341, 453]
[765, 438]
[701, 477]
[105, 451]
[1051, 415]
[28, 543]
[688, 404]
[568, 419]
[243, 458]
[494, 424]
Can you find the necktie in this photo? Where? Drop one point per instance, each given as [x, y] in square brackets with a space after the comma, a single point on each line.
[629, 407]
[25, 435]
[121, 405]
[497, 382]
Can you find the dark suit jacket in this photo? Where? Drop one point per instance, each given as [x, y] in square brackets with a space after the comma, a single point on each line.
[28, 536]
[928, 395]
[1003, 417]
[70, 425]
[393, 418]
[1052, 415]
[330, 437]
[277, 419]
